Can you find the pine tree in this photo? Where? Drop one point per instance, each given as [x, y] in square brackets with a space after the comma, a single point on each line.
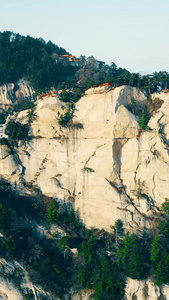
[162, 270]
[155, 251]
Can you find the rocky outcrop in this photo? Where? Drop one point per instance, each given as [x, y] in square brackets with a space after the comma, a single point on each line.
[6, 95]
[10, 93]
[16, 285]
[145, 290]
[23, 89]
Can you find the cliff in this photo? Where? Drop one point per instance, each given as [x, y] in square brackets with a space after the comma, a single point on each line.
[10, 93]
[86, 161]
[102, 162]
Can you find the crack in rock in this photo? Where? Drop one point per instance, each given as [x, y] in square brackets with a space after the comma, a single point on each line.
[93, 154]
[154, 185]
[60, 185]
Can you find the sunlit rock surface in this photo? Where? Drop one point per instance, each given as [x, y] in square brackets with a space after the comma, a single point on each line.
[145, 290]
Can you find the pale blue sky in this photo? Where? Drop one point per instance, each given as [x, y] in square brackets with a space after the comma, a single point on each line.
[131, 33]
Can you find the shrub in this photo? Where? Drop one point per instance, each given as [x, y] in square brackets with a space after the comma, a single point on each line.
[88, 170]
[143, 122]
[133, 101]
[165, 207]
[17, 131]
[31, 115]
[53, 214]
[64, 242]
[119, 227]
[24, 103]
[65, 119]
[66, 96]
[71, 96]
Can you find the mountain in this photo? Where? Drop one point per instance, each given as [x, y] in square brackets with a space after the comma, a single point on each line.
[109, 162]
[84, 210]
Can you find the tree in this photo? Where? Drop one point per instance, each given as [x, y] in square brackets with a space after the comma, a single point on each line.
[162, 268]
[53, 213]
[130, 257]
[163, 227]
[107, 282]
[155, 251]
[17, 131]
[119, 230]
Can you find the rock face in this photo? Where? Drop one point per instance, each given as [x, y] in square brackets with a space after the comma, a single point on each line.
[15, 284]
[6, 95]
[10, 93]
[145, 290]
[102, 161]
[81, 162]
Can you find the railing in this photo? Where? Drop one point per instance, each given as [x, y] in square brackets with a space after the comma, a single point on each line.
[48, 94]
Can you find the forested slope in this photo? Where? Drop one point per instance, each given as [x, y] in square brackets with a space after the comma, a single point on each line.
[35, 60]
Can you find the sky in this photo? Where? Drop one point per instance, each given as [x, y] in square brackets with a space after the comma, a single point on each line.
[131, 33]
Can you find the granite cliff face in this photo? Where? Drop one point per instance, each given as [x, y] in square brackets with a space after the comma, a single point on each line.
[102, 162]
[145, 290]
[10, 93]
[8, 287]
[82, 162]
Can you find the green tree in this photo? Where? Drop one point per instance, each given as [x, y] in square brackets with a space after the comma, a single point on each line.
[162, 268]
[53, 215]
[130, 257]
[163, 224]
[85, 270]
[163, 227]
[31, 115]
[134, 268]
[108, 283]
[155, 251]
[88, 250]
[17, 132]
